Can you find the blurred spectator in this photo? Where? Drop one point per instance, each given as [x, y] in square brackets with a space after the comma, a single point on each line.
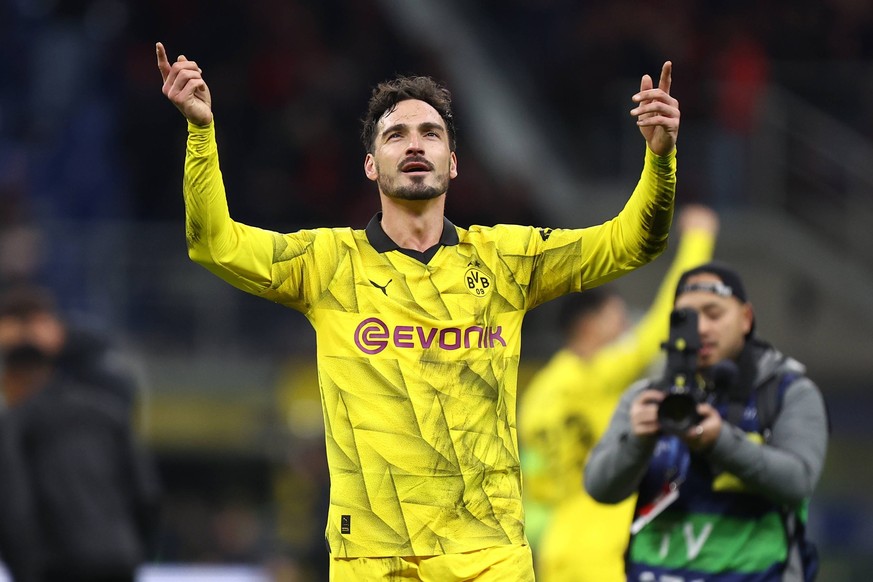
[92, 489]
[17, 533]
[29, 316]
[742, 74]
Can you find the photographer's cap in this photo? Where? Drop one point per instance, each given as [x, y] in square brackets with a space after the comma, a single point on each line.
[731, 284]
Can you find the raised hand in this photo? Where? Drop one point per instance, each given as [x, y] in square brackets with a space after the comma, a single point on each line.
[698, 217]
[657, 112]
[185, 88]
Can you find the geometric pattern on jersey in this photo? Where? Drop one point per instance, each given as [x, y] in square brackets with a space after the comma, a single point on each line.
[417, 371]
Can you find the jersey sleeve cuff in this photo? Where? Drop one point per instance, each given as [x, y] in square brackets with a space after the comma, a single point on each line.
[667, 161]
[201, 138]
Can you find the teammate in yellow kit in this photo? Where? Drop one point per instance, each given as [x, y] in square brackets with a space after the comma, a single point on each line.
[567, 406]
[418, 326]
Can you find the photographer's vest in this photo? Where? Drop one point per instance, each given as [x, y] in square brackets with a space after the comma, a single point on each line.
[715, 530]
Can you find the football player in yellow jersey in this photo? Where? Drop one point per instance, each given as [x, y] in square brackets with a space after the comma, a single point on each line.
[418, 325]
[567, 406]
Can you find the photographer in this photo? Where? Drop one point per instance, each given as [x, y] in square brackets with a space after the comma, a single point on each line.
[722, 495]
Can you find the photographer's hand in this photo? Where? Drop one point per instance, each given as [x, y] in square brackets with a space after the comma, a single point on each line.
[644, 413]
[703, 435]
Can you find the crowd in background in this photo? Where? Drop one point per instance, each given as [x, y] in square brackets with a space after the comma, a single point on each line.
[83, 136]
[725, 54]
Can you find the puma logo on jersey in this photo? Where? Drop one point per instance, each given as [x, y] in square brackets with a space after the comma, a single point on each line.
[382, 288]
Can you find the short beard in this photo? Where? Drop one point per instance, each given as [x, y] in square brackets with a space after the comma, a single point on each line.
[418, 190]
[415, 192]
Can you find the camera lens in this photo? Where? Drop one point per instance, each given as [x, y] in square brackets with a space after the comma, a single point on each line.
[677, 413]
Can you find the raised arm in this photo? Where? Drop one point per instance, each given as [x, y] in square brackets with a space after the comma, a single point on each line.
[639, 233]
[626, 359]
[241, 255]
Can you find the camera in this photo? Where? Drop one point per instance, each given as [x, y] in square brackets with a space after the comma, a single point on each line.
[684, 387]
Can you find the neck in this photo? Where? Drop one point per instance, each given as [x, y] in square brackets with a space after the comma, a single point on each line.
[413, 224]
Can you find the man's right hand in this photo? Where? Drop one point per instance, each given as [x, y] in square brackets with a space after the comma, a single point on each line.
[185, 88]
[644, 413]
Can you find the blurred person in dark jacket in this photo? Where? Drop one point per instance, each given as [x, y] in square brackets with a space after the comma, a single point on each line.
[18, 550]
[91, 489]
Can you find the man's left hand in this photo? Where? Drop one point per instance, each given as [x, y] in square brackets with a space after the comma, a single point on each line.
[703, 435]
[657, 112]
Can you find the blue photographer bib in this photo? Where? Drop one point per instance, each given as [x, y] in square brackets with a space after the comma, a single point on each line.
[714, 529]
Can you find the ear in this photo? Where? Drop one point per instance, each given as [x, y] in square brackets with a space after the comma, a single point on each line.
[370, 169]
[748, 318]
[453, 166]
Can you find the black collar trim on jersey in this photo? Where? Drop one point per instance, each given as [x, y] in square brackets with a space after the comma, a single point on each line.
[383, 243]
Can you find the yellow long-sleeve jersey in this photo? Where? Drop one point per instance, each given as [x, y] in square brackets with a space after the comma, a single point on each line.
[417, 359]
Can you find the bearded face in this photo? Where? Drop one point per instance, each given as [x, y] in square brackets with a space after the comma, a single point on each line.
[411, 159]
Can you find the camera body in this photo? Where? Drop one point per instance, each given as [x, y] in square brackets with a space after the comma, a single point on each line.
[684, 387]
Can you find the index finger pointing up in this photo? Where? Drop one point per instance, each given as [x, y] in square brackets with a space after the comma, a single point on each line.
[666, 77]
[163, 63]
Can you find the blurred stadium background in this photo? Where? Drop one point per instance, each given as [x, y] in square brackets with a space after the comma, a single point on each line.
[777, 124]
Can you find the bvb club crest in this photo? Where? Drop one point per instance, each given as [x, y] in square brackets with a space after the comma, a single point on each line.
[478, 283]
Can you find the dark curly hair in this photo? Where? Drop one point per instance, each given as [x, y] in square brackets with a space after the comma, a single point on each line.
[388, 94]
